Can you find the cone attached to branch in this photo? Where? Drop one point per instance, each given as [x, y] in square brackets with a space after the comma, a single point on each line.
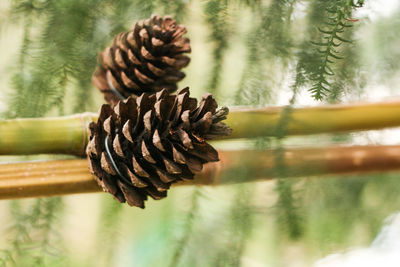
[148, 58]
[141, 146]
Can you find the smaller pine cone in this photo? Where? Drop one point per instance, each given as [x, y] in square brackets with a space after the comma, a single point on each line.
[143, 145]
[145, 59]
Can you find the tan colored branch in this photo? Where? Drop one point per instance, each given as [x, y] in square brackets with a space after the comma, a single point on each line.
[48, 178]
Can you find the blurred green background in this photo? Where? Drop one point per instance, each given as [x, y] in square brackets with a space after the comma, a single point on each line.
[245, 52]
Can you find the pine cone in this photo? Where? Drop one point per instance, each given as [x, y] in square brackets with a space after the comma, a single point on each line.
[147, 58]
[141, 146]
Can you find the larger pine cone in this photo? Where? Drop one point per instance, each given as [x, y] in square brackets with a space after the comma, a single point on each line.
[142, 146]
[147, 58]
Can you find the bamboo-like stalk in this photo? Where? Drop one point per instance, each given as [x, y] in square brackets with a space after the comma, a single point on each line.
[314, 120]
[67, 135]
[48, 178]
[58, 135]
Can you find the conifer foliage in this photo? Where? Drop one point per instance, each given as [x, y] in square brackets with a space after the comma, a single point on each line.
[337, 21]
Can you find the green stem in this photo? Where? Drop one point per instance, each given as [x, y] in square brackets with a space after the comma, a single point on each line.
[68, 135]
[59, 135]
[249, 123]
[314, 120]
